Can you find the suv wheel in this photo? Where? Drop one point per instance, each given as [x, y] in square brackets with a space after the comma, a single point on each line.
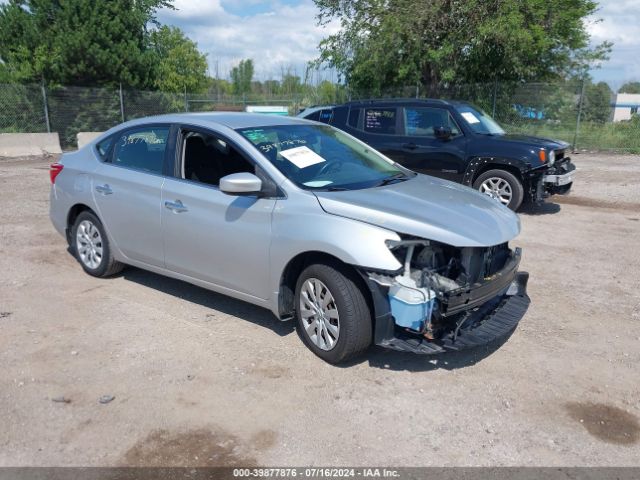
[333, 317]
[90, 245]
[502, 186]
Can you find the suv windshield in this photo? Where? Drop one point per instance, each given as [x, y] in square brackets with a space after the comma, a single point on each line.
[317, 157]
[478, 121]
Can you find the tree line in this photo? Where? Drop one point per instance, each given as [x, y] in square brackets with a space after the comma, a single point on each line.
[381, 45]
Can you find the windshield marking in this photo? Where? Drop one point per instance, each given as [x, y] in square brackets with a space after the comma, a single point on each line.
[276, 145]
[470, 117]
[302, 157]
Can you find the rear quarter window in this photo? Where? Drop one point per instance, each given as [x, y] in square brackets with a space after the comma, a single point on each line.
[354, 117]
[104, 147]
[326, 115]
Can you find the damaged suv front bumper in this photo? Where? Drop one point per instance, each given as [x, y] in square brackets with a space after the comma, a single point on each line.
[559, 178]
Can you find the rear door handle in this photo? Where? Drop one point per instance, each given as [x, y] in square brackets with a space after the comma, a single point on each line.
[176, 207]
[410, 146]
[104, 189]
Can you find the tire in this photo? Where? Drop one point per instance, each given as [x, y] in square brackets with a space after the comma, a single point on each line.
[348, 310]
[511, 197]
[90, 246]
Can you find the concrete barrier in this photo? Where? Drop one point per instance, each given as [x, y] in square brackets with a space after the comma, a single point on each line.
[25, 144]
[86, 137]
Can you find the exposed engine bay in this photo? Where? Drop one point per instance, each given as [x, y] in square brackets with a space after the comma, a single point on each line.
[440, 284]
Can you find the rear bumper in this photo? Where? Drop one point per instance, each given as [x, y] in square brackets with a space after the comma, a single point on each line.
[491, 321]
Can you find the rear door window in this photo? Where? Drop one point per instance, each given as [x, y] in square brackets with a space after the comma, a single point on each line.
[380, 120]
[142, 149]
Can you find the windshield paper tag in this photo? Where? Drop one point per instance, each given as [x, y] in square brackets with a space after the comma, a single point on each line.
[470, 117]
[302, 157]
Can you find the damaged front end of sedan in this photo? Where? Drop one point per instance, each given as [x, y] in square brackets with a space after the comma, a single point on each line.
[447, 298]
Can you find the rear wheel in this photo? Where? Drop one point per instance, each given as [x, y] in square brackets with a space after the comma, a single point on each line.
[333, 317]
[502, 186]
[91, 246]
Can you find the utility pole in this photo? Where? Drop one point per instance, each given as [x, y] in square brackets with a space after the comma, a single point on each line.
[46, 107]
[575, 137]
[495, 97]
[121, 103]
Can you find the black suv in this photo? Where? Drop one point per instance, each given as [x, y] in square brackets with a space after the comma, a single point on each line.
[459, 142]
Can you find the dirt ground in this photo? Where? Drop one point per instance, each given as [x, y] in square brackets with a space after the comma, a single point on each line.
[201, 379]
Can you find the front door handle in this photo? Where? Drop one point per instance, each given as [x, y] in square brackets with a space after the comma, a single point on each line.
[176, 207]
[410, 146]
[104, 189]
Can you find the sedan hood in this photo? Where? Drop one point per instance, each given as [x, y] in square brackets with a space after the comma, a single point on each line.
[429, 208]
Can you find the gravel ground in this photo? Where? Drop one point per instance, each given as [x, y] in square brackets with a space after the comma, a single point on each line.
[201, 379]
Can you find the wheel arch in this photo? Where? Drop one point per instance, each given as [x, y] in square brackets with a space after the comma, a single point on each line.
[295, 266]
[479, 165]
[73, 213]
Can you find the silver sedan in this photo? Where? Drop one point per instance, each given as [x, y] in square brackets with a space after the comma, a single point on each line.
[299, 218]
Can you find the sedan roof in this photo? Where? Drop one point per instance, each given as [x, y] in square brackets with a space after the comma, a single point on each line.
[233, 120]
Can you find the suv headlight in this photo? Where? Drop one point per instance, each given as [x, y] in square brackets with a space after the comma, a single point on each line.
[552, 157]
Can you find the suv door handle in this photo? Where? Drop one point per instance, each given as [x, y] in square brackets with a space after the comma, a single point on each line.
[104, 189]
[410, 146]
[176, 207]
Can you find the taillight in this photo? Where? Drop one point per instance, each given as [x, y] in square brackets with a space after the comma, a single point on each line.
[54, 171]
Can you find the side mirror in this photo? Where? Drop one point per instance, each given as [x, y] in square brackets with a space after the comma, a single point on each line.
[241, 184]
[442, 133]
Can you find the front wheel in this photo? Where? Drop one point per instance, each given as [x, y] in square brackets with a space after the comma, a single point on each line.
[502, 186]
[333, 316]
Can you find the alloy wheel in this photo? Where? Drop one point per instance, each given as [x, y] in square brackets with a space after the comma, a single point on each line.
[498, 189]
[319, 314]
[89, 244]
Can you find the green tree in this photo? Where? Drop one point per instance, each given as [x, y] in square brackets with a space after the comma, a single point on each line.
[597, 102]
[291, 84]
[219, 87]
[179, 65]
[78, 42]
[241, 77]
[630, 87]
[327, 92]
[391, 43]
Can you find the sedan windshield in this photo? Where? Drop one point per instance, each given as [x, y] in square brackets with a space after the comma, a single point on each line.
[317, 157]
[478, 121]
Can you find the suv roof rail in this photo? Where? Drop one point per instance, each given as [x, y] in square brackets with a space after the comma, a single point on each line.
[400, 100]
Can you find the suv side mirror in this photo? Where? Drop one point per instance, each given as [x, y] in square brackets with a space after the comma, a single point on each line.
[442, 133]
[241, 184]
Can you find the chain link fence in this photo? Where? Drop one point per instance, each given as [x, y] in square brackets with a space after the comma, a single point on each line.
[578, 112]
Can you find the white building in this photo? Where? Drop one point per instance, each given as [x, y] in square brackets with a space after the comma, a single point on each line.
[626, 105]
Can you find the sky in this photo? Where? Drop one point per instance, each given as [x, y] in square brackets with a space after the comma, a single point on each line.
[621, 25]
[277, 34]
[281, 34]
